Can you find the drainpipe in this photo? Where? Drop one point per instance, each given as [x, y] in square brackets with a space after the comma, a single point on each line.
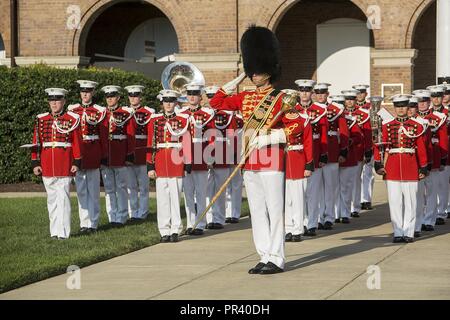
[14, 33]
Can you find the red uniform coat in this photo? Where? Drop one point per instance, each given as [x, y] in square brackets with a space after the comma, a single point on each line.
[445, 111]
[58, 144]
[169, 138]
[354, 142]
[365, 105]
[93, 132]
[270, 157]
[317, 113]
[201, 121]
[120, 143]
[299, 154]
[237, 127]
[338, 133]
[364, 149]
[140, 121]
[401, 134]
[438, 137]
[223, 137]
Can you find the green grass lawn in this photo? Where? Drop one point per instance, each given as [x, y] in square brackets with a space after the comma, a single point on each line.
[28, 254]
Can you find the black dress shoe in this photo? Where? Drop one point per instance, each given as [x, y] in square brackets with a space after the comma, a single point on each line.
[91, 230]
[188, 230]
[297, 238]
[174, 237]
[228, 220]
[354, 214]
[270, 268]
[320, 226]
[234, 220]
[54, 237]
[429, 227]
[408, 239]
[210, 226]
[310, 232]
[288, 237]
[369, 206]
[440, 221]
[423, 228]
[197, 232]
[448, 215]
[84, 230]
[398, 240]
[256, 269]
[417, 234]
[328, 226]
[165, 239]
[363, 205]
[345, 220]
[62, 238]
[337, 221]
[218, 226]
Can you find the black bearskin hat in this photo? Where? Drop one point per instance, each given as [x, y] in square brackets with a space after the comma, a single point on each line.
[261, 52]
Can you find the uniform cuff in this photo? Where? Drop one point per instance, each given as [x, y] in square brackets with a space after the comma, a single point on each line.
[150, 167]
[323, 158]
[76, 162]
[423, 170]
[310, 166]
[188, 168]
[35, 163]
[343, 153]
[429, 166]
[130, 158]
[104, 161]
[368, 154]
[444, 162]
[378, 166]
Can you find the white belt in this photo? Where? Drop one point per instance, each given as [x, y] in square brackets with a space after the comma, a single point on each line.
[434, 140]
[168, 145]
[295, 147]
[197, 140]
[118, 137]
[316, 136]
[402, 150]
[222, 139]
[141, 136]
[56, 144]
[91, 138]
[332, 133]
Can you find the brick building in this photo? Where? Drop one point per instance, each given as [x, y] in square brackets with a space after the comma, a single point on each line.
[327, 40]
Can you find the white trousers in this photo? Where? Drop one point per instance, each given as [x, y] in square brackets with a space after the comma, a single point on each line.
[210, 194]
[421, 196]
[58, 204]
[217, 212]
[265, 193]
[168, 194]
[138, 191]
[356, 195]
[431, 186]
[195, 186]
[314, 198]
[116, 194]
[402, 197]
[88, 192]
[295, 206]
[368, 180]
[331, 192]
[442, 193]
[233, 196]
[346, 187]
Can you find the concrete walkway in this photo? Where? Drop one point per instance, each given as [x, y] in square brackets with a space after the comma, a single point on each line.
[331, 266]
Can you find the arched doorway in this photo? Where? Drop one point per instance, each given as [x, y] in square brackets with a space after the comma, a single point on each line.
[2, 49]
[317, 39]
[424, 40]
[129, 30]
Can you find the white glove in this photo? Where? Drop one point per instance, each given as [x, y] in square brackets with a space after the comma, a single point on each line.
[231, 86]
[276, 136]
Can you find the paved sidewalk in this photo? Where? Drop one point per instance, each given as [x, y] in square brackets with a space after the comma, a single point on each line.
[332, 265]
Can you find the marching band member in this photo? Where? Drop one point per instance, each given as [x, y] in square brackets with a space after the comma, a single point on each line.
[403, 164]
[349, 168]
[93, 151]
[57, 158]
[437, 94]
[120, 148]
[196, 182]
[299, 166]
[138, 186]
[446, 104]
[168, 138]
[317, 113]
[338, 136]
[264, 168]
[367, 177]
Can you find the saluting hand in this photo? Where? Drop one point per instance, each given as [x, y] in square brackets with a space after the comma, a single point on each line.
[152, 174]
[37, 170]
[74, 169]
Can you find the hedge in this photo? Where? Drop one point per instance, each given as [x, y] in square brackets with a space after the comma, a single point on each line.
[22, 97]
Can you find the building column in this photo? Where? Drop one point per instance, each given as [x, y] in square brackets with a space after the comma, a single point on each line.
[442, 40]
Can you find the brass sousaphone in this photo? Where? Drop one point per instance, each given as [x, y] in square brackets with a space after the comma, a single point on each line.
[177, 74]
